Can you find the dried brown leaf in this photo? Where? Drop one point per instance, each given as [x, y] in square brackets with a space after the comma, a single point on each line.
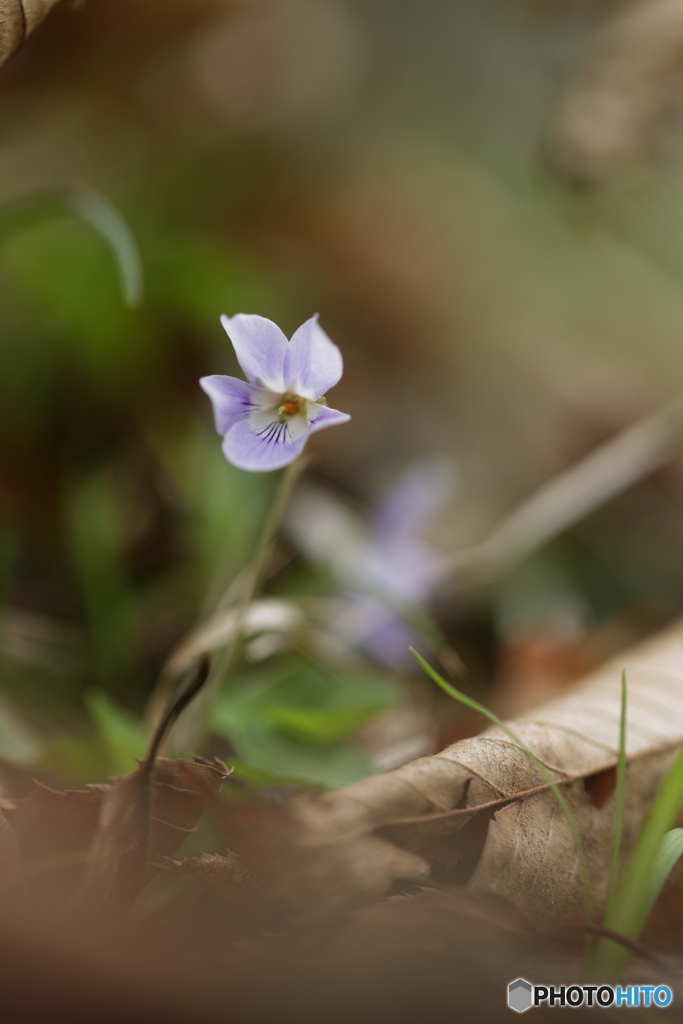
[54, 831]
[455, 920]
[18, 18]
[479, 811]
[9, 852]
[224, 876]
[147, 813]
[302, 868]
[50, 823]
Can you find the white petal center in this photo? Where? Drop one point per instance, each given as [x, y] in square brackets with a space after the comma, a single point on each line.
[293, 412]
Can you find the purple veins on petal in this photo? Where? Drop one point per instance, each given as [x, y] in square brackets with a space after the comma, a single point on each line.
[277, 432]
[265, 422]
[232, 399]
[264, 450]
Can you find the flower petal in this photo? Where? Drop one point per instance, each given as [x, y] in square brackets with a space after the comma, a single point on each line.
[232, 399]
[265, 412]
[321, 416]
[266, 416]
[260, 347]
[313, 364]
[270, 448]
[414, 499]
[297, 425]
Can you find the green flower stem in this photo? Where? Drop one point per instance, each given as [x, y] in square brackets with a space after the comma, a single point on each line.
[191, 732]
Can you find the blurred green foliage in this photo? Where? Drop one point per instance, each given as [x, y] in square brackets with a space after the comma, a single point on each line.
[142, 522]
[18, 743]
[294, 718]
[122, 734]
[509, 320]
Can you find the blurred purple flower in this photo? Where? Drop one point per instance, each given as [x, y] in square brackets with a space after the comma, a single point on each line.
[265, 422]
[383, 570]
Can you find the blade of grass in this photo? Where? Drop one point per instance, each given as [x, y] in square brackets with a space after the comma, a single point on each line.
[647, 863]
[98, 213]
[538, 765]
[619, 797]
[670, 852]
[103, 217]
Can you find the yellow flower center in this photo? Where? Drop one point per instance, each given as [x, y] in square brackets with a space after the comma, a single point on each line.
[291, 406]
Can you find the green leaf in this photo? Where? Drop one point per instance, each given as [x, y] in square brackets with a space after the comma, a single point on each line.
[300, 686]
[95, 210]
[103, 217]
[328, 764]
[262, 778]
[18, 743]
[311, 725]
[669, 854]
[292, 720]
[64, 283]
[123, 734]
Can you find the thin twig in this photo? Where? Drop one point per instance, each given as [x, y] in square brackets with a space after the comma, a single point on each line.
[569, 497]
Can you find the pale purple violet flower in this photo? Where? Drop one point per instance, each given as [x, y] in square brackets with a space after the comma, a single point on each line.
[265, 422]
[381, 568]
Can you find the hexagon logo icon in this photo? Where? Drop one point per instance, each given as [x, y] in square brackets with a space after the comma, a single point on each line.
[520, 995]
